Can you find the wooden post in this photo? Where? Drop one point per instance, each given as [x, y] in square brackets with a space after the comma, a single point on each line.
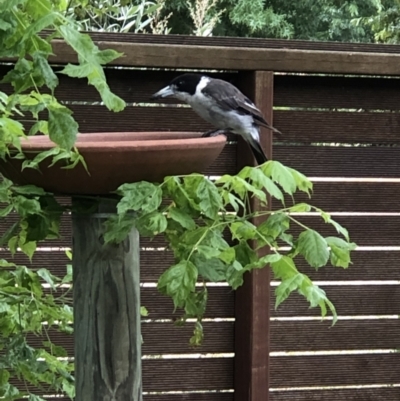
[106, 311]
[252, 300]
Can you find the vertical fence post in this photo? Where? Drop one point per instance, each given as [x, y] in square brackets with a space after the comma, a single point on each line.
[106, 311]
[252, 300]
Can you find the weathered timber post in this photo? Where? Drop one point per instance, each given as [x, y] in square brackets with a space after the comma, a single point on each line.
[106, 311]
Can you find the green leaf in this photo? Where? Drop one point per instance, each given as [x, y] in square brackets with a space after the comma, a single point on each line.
[141, 195]
[264, 261]
[77, 71]
[28, 248]
[234, 275]
[43, 67]
[210, 199]
[243, 230]
[25, 206]
[151, 224]
[108, 55]
[284, 268]
[286, 287]
[211, 269]
[341, 230]
[241, 187]
[313, 247]
[281, 175]
[143, 311]
[196, 303]
[262, 181]
[62, 127]
[181, 217]
[300, 208]
[228, 255]
[118, 228]
[29, 190]
[302, 182]
[6, 211]
[179, 281]
[47, 277]
[244, 254]
[4, 376]
[91, 59]
[272, 228]
[317, 297]
[340, 251]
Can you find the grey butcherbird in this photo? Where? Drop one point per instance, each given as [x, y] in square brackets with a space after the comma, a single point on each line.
[221, 104]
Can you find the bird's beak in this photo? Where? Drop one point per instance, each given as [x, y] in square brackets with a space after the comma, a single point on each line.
[167, 91]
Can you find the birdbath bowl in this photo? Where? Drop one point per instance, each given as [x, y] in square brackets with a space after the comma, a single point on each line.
[114, 159]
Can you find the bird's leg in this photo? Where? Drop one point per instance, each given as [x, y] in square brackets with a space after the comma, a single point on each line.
[214, 132]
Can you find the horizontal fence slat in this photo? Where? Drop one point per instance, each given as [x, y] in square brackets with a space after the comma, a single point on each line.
[327, 161]
[132, 85]
[218, 338]
[354, 394]
[334, 370]
[348, 300]
[194, 374]
[363, 230]
[175, 397]
[350, 197]
[366, 265]
[338, 127]
[336, 92]
[178, 375]
[345, 335]
[220, 303]
[189, 397]
[93, 118]
[162, 338]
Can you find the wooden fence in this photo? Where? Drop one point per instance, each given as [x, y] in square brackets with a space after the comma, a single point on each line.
[338, 106]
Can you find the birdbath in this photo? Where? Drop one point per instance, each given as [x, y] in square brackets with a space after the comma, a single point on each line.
[106, 277]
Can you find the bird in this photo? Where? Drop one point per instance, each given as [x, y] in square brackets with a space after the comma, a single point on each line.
[221, 104]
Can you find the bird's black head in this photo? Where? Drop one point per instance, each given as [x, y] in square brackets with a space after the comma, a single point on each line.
[186, 83]
[182, 87]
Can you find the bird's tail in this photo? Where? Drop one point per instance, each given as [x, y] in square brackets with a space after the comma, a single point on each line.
[258, 153]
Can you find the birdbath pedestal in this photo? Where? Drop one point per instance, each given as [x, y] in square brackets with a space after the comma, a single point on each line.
[106, 277]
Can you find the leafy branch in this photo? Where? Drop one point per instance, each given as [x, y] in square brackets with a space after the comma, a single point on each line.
[21, 24]
[208, 229]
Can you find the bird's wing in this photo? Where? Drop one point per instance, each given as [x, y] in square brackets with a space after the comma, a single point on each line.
[229, 98]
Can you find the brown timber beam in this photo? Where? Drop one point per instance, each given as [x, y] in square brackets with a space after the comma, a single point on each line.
[242, 58]
[252, 299]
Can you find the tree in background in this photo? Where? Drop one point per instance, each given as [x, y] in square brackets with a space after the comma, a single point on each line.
[326, 20]
[288, 19]
[385, 24]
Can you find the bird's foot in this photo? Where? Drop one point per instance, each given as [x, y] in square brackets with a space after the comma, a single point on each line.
[214, 132]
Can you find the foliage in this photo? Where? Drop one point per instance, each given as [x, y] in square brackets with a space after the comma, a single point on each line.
[21, 22]
[350, 20]
[118, 15]
[385, 24]
[302, 19]
[197, 215]
[28, 310]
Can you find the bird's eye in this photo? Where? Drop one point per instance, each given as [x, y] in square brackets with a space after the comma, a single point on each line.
[181, 83]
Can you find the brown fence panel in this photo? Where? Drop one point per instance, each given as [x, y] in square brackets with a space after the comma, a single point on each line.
[337, 128]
